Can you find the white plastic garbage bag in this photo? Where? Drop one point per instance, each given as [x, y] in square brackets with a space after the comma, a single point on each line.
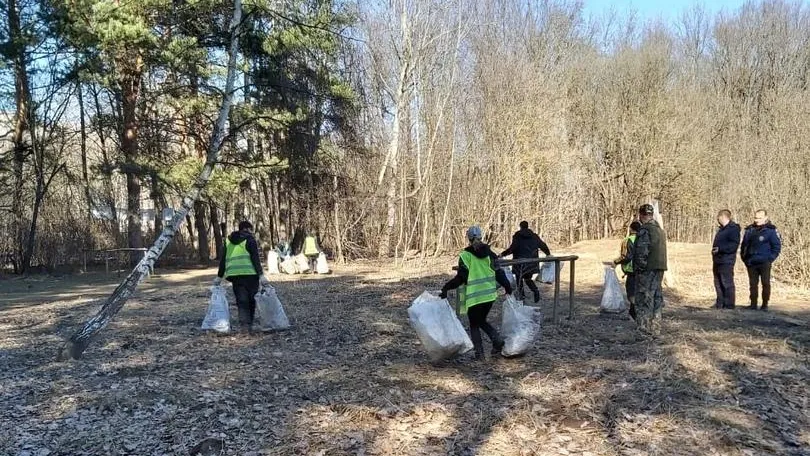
[302, 262]
[612, 296]
[520, 325]
[288, 266]
[272, 262]
[510, 277]
[438, 328]
[271, 316]
[547, 272]
[322, 267]
[218, 316]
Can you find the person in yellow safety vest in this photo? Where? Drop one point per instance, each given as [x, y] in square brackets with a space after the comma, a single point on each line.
[480, 278]
[311, 251]
[626, 260]
[242, 266]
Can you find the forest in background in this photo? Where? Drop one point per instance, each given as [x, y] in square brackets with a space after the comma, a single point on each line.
[388, 127]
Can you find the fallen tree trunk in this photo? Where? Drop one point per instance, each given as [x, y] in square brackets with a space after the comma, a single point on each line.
[74, 347]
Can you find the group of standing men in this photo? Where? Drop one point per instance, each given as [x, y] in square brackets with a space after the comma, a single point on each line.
[644, 260]
[760, 247]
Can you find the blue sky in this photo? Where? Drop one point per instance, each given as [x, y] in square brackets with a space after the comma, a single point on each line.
[664, 9]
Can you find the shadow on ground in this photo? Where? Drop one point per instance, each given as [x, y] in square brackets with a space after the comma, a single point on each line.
[351, 378]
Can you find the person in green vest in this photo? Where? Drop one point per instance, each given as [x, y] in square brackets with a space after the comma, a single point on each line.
[480, 278]
[242, 266]
[626, 261]
[311, 251]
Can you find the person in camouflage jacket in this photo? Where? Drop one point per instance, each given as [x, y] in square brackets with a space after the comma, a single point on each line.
[649, 263]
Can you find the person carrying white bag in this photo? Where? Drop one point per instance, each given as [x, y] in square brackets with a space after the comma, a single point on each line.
[477, 279]
[242, 266]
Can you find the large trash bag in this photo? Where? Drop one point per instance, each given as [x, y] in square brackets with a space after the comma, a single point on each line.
[302, 263]
[510, 277]
[321, 266]
[288, 266]
[612, 296]
[520, 325]
[271, 316]
[547, 272]
[272, 262]
[218, 316]
[438, 327]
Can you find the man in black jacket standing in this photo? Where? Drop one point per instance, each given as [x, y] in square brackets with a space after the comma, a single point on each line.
[525, 244]
[761, 246]
[724, 256]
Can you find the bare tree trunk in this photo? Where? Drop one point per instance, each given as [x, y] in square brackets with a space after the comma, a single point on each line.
[336, 210]
[108, 185]
[81, 339]
[219, 242]
[22, 115]
[83, 146]
[200, 222]
[130, 92]
[440, 242]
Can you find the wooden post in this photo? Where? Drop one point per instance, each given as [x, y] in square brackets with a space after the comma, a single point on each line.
[556, 290]
[571, 290]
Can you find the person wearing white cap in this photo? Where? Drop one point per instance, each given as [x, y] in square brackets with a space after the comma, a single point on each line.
[480, 278]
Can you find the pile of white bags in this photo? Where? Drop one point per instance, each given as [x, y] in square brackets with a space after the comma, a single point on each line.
[612, 297]
[218, 316]
[272, 262]
[521, 326]
[322, 267]
[438, 328]
[302, 263]
[271, 316]
[289, 266]
[547, 272]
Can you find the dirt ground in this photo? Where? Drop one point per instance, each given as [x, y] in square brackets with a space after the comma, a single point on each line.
[351, 378]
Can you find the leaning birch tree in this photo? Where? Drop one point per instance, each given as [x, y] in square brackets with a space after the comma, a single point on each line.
[76, 345]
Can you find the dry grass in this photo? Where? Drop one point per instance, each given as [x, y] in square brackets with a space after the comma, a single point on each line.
[350, 378]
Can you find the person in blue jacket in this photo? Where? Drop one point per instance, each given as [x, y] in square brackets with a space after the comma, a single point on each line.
[724, 256]
[761, 246]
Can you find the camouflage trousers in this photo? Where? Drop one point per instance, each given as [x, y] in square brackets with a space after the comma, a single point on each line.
[649, 300]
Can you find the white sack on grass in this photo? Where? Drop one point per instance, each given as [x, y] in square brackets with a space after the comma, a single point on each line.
[547, 272]
[438, 328]
[612, 297]
[288, 266]
[322, 267]
[301, 262]
[520, 325]
[272, 262]
[270, 312]
[218, 316]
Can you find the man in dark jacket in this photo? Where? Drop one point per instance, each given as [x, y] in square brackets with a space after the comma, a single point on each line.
[242, 266]
[761, 246]
[526, 244]
[724, 256]
[649, 264]
[477, 272]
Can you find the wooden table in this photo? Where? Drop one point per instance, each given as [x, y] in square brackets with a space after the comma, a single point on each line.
[557, 260]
